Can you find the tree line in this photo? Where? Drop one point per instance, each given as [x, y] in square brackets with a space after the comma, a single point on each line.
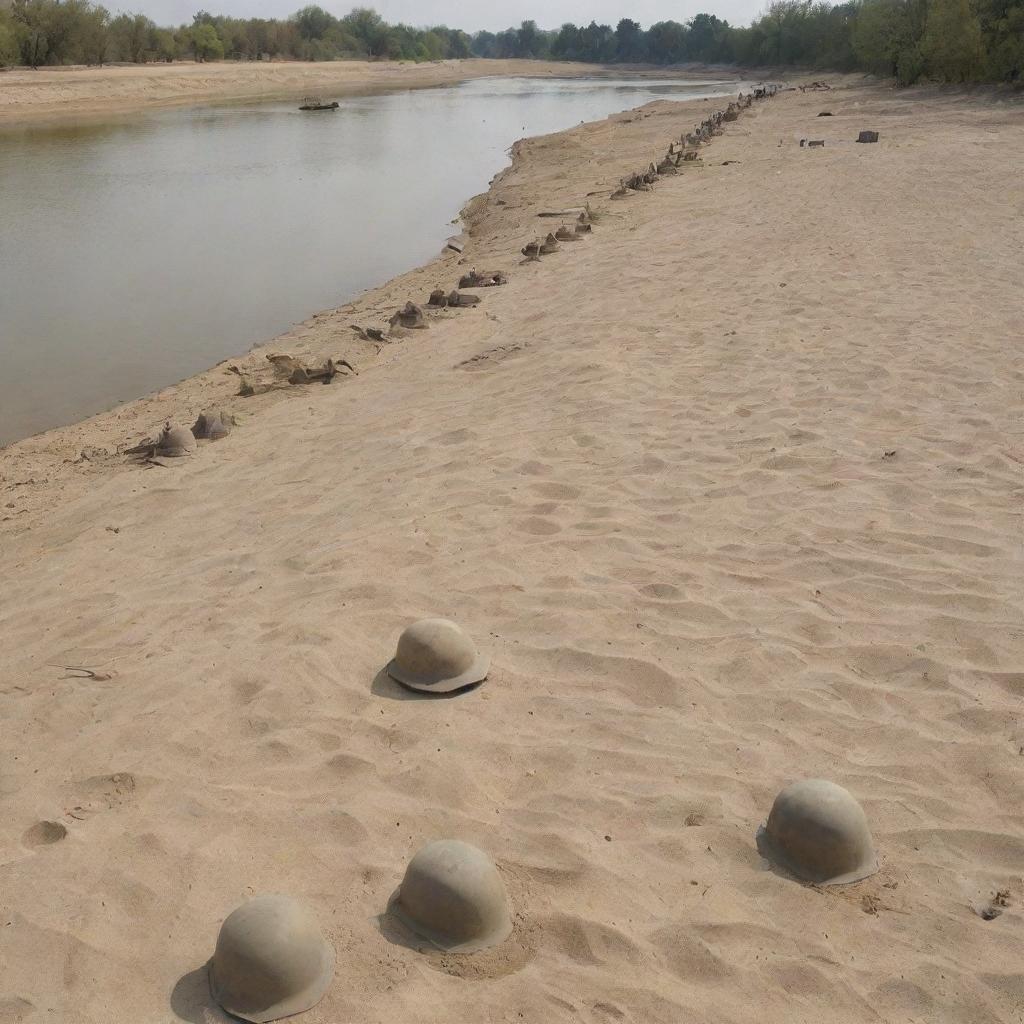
[910, 40]
[38, 32]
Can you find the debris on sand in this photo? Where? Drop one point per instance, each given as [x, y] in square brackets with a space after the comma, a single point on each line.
[549, 245]
[174, 441]
[368, 333]
[456, 300]
[438, 297]
[212, 425]
[867, 137]
[483, 279]
[410, 316]
[297, 372]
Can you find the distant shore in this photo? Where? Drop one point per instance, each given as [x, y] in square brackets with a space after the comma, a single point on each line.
[49, 94]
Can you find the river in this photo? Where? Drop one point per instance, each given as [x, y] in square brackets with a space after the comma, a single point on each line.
[138, 252]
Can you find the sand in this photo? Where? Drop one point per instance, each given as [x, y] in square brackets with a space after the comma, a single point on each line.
[732, 493]
[82, 92]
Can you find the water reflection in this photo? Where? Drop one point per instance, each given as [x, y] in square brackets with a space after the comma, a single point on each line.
[138, 252]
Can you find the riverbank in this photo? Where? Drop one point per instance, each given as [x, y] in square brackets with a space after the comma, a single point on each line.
[47, 94]
[731, 492]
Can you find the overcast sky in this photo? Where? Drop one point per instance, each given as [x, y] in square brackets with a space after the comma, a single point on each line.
[459, 14]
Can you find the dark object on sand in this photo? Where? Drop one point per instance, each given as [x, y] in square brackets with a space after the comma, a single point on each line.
[815, 143]
[549, 245]
[531, 250]
[825, 113]
[368, 333]
[172, 442]
[315, 103]
[867, 137]
[438, 298]
[567, 234]
[212, 425]
[482, 279]
[456, 299]
[409, 316]
[298, 372]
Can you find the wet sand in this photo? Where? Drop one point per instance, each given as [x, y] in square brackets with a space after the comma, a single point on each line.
[731, 491]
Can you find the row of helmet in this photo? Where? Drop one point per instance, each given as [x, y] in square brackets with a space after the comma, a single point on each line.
[272, 960]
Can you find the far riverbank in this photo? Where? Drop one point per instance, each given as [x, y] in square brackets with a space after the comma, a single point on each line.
[47, 94]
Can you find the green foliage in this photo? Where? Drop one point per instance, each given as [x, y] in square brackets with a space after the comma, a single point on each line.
[951, 45]
[942, 40]
[878, 33]
[10, 43]
[94, 36]
[206, 44]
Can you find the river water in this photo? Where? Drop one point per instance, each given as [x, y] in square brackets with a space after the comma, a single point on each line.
[141, 251]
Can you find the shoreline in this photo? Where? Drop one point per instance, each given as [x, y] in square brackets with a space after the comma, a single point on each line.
[444, 257]
[60, 95]
[729, 491]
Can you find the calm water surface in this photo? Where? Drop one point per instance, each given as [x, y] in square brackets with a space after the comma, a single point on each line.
[136, 253]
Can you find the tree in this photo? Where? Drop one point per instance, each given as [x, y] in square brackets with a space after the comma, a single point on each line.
[705, 37]
[951, 45]
[206, 44]
[879, 34]
[10, 48]
[94, 36]
[366, 25]
[597, 44]
[132, 38]
[313, 22]
[165, 46]
[31, 17]
[566, 44]
[666, 42]
[530, 41]
[630, 42]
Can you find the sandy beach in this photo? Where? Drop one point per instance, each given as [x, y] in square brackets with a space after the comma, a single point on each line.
[47, 93]
[730, 491]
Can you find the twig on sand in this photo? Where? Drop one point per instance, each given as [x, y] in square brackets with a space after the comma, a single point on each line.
[78, 672]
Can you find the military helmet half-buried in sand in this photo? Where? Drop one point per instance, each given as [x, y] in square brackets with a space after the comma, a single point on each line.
[271, 960]
[453, 896]
[436, 656]
[818, 832]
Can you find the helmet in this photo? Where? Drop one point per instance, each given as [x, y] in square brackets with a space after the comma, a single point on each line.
[453, 896]
[818, 832]
[436, 656]
[175, 440]
[271, 960]
[212, 425]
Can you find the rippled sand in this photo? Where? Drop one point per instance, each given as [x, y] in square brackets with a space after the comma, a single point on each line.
[732, 490]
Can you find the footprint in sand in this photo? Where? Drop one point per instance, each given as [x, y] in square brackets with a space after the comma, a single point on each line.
[561, 492]
[539, 527]
[994, 907]
[99, 793]
[44, 833]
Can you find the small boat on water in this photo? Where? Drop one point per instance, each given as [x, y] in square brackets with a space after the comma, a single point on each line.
[315, 103]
